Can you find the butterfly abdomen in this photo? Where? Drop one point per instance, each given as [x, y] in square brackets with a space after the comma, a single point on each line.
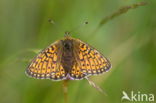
[67, 59]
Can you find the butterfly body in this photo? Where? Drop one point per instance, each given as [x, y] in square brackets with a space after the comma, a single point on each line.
[68, 58]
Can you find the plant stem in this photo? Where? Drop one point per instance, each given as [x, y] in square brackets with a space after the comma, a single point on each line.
[65, 91]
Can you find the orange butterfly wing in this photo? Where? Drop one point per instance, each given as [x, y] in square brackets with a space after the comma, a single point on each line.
[47, 64]
[88, 61]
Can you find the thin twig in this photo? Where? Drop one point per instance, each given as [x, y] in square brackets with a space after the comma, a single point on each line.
[95, 86]
[118, 13]
[121, 11]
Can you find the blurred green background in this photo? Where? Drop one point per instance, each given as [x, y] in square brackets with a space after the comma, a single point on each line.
[129, 41]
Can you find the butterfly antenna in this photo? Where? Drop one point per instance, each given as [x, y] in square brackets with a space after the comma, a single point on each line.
[51, 21]
[95, 86]
[79, 26]
[56, 25]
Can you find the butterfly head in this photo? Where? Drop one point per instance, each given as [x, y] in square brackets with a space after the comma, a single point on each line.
[67, 41]
[67, 44]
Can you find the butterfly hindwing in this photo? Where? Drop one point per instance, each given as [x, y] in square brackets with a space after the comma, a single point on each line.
[47, 64]
[76, 72]
[89, 61]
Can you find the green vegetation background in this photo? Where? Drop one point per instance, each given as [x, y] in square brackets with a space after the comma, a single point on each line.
[129, 41]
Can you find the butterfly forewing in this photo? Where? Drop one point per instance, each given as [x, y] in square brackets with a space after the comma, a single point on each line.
[89, 61]
[47, 64]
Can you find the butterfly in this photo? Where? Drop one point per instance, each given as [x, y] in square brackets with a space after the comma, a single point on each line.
[66, 59]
